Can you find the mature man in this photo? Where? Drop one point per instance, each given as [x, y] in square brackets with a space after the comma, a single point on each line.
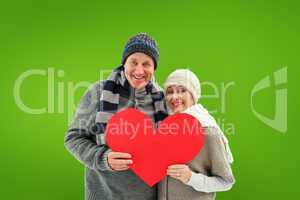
[107, 176]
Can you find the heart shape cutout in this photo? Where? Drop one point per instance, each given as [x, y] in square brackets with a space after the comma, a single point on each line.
[177, 140]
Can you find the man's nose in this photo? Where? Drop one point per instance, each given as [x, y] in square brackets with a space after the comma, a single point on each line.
[139, 70]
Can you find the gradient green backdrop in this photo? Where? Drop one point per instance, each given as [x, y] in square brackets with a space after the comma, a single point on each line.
[238, 41]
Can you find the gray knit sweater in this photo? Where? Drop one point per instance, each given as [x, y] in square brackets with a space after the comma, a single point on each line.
[211, 162]
[102, 183]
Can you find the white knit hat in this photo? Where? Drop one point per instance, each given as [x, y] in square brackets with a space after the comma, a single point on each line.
[187, 79]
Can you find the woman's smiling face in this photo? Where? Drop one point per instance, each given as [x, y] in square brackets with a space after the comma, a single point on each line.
[178, 98]
[139, 69]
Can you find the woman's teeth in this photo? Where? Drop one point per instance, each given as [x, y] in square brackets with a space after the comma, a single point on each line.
[177, 104]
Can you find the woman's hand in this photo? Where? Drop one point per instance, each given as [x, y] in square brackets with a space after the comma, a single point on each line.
[180, 172]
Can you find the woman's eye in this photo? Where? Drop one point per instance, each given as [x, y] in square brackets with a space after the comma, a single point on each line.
[169, 92]
[181, 90]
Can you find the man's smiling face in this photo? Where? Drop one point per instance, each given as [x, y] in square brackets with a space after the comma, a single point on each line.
[139, 69]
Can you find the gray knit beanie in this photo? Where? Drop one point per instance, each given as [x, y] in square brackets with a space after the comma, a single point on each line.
[187, 79]
[141, 43]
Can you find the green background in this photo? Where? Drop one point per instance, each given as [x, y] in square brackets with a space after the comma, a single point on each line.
[225, 41]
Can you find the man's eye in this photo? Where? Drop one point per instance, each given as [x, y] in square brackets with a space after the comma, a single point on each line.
[147, 65]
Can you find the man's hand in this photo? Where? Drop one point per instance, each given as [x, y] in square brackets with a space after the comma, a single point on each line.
[119, 161]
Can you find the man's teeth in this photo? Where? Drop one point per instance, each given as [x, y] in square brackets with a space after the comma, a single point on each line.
[138, 77]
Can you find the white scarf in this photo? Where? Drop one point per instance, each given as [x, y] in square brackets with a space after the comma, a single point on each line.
[206, 120]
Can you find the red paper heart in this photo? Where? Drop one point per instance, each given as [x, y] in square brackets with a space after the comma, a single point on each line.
[178, 139]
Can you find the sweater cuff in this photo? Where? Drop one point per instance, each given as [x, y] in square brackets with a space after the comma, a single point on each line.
[196, 180]
[103, 161]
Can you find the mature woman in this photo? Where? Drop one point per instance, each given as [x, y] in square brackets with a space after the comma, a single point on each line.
[107, 176]
[210, 171]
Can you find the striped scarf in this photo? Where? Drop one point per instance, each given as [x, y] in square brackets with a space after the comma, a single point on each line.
[117, 86]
